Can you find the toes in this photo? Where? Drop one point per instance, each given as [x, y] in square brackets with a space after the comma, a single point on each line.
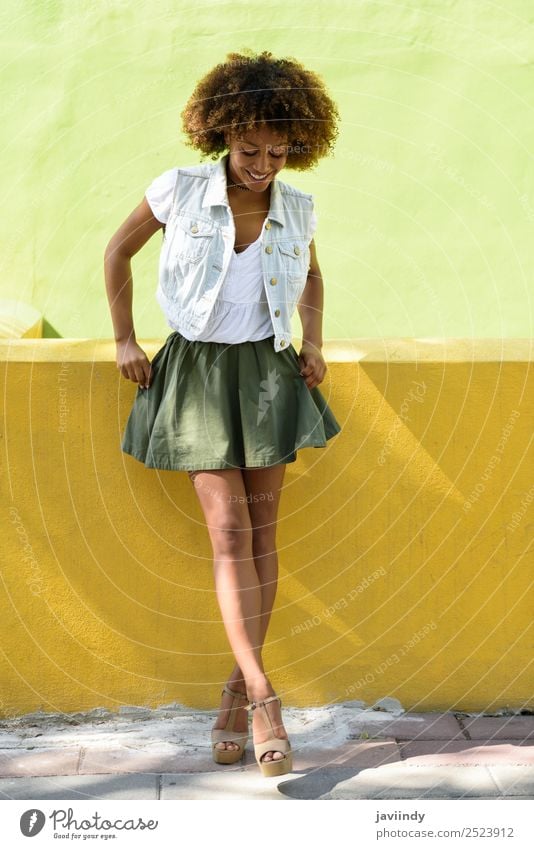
[273, 756]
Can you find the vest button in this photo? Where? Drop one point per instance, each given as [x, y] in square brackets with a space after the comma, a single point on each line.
[282, 342]
[297, 250]
[267, 225]
[268, 249]
[277, 313]
[194, 228]
[273, 281]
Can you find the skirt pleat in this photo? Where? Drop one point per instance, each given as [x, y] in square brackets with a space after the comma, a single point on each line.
[212, 405]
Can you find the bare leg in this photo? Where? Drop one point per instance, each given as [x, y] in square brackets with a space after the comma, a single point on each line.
[263, 488]
[246, 567]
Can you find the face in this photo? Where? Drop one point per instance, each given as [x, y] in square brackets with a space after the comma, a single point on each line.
[256, 157]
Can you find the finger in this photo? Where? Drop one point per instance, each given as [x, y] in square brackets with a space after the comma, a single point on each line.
[139, 375]
[148, 375]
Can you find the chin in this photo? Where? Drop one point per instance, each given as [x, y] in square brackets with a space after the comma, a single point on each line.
[259, 189]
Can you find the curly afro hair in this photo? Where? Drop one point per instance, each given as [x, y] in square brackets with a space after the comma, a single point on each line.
[251, 89]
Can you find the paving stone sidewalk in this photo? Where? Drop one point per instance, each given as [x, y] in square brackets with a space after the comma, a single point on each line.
[341, 751]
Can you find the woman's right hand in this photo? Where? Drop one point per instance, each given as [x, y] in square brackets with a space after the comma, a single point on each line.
[133, 363]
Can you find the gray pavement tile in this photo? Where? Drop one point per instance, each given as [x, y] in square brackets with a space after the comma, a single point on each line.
[81, 787]
[514, 780]
[242, 783]
[17, 763]
[317, 783]
[409, 726]
[359, 753]
[138, 760]
[496, 727]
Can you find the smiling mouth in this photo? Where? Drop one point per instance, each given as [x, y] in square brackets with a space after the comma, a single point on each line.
[260, 179]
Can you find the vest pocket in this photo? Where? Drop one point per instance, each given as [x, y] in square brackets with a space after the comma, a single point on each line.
[191, 239]
[295, 257]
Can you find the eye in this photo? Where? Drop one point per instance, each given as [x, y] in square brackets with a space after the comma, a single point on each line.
[271, 153]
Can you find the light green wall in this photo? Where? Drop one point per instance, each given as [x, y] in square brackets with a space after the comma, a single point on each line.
[425, 214]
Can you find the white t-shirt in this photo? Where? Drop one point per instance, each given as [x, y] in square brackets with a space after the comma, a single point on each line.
[240, 312]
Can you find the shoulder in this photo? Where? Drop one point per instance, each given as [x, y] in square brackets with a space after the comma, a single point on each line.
[300, 206]
[294, 198]
[291, 191]
[168, 178]
[201, 171]
[183, 181]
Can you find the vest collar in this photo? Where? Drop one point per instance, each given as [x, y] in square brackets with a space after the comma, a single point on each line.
[216, 191]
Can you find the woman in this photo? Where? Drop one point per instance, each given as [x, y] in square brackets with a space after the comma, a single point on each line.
[227, 398]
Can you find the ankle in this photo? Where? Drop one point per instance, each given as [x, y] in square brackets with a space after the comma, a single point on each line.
[237, 684]
[259, 688]
[236, 675]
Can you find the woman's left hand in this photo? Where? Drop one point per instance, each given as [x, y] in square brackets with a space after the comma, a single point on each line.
[312, 364]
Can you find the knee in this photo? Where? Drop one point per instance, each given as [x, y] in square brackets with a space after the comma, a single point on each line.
[264, 540]
[232, 541]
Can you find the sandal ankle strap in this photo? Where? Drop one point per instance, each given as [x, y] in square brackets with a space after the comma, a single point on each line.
[252, 705]
[234, 693]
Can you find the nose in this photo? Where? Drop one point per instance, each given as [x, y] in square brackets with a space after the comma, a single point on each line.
[262, 162]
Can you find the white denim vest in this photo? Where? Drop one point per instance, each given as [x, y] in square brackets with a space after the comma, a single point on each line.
[198, 243]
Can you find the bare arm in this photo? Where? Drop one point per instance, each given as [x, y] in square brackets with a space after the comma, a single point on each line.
[310, 308]
[133, 233]
[310, 305]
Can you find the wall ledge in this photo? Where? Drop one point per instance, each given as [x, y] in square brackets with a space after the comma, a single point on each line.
[369, 350]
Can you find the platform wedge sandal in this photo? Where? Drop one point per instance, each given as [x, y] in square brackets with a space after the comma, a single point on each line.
[228, 735]
[274, 744]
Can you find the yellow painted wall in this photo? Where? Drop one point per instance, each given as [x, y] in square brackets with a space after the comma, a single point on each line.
[404, 568]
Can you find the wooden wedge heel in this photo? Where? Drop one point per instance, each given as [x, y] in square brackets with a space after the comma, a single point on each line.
[274, 744]
[228, 735]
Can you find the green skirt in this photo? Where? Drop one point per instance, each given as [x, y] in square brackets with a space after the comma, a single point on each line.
[213, 405]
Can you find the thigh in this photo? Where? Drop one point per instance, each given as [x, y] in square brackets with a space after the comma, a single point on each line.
[222, 496]
[263, 487]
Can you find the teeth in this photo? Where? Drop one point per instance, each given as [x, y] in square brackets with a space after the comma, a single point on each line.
[257, 176]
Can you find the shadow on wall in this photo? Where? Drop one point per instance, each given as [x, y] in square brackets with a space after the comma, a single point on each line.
[21, 321]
